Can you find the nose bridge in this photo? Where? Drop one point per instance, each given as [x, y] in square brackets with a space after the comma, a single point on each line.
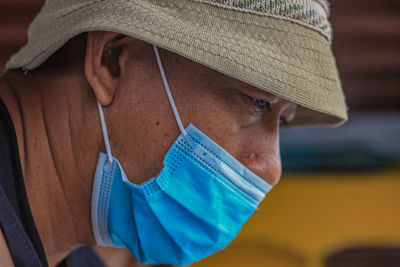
[268, 130]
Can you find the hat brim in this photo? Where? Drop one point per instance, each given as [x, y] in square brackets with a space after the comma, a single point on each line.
[284, 58]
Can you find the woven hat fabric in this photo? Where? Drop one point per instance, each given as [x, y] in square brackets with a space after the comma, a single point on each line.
[268, 46]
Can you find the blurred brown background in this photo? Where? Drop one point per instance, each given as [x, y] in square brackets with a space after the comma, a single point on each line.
[366, 44]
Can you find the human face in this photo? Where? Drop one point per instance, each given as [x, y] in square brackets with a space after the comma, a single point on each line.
[239, 117]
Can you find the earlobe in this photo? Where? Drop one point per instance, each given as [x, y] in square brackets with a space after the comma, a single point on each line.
[102, 64]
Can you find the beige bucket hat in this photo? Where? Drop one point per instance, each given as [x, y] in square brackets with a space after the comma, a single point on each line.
[280, 46]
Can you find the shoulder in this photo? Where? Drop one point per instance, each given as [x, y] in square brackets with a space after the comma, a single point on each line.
[5, 256]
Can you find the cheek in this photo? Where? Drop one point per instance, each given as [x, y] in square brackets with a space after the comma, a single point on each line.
[217, 121]
[142, 129]
[209, 108]
[143, 147]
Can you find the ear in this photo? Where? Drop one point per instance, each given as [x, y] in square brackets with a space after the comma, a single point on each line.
[102, 64]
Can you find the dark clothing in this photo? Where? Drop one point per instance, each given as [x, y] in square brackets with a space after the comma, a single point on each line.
[16, 220]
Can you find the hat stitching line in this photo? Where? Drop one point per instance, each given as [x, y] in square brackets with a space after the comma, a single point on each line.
[276, 7]
[259, 37]
[49, 19]
[219, 16]
[255, 70]
[267, 53]
[304, 58]
[293, 55]
[228, 58]
[95, 2]
[232, 43]
[117, 5]
[289, 73]
[239, 63]
[287, 41]
[236, 20]
[256, 59]
[321, 31]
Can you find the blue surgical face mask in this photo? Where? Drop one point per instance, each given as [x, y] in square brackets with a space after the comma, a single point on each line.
[193, 208]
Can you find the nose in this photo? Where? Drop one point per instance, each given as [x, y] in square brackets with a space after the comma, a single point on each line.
[263, 158]
[260, 151]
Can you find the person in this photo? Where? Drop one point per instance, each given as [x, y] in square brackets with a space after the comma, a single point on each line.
[190, 92]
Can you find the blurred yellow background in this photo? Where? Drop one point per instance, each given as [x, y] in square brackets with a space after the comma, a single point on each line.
[306, 219]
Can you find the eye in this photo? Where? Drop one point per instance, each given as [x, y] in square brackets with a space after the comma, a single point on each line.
[260, 105]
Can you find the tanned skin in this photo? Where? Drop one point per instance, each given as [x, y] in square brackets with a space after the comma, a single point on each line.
[59, 135]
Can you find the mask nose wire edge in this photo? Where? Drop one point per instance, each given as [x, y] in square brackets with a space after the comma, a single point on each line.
[170, 98]
[105, 133]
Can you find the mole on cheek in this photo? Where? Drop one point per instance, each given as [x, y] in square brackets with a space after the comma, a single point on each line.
[157, 123]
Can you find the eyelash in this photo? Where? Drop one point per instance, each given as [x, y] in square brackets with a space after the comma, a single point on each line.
[261, 103]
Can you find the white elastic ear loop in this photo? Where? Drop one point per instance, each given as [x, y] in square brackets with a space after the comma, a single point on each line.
[105, 134]
[170, 98]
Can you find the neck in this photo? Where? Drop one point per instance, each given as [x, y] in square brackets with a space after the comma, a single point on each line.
[51, 137]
